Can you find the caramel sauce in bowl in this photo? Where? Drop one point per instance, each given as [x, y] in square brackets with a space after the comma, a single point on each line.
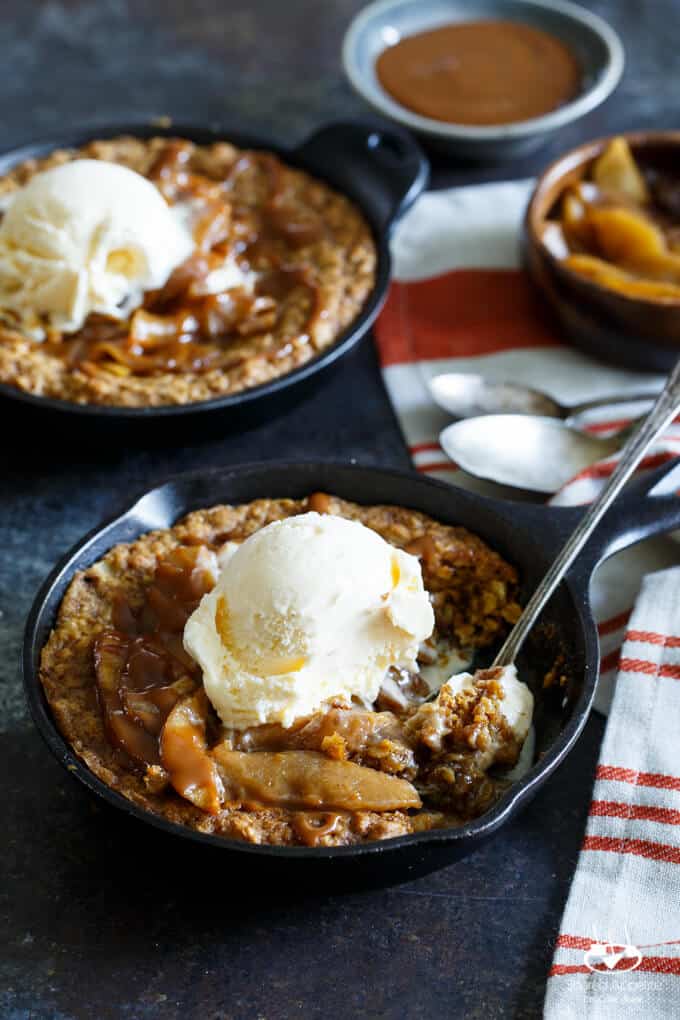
[480, 72]
[484, 79]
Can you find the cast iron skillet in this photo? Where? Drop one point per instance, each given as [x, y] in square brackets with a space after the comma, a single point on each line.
[381, 169]
[528, 535]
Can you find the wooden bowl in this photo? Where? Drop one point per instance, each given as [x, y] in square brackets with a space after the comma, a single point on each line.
[639, 333]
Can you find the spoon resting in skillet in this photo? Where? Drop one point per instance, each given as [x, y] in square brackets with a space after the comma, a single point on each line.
[661, 415]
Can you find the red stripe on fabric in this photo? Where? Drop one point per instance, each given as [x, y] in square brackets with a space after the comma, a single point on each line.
[639, 847]
[660, 965]
[614, 623]
[462, 313]
[421, 447]
[669, 670]
[605, 470]
[560, 969]
[573, 942]
[444, 465]
[596, 471]
[617, 423]
[635, 812]
[618, 774]
[565, 941]
[652, 638]
[607, 426]
[650, 964]
[610, 661]
[638, 666]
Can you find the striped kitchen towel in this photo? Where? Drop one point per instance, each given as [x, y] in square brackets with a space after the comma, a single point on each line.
[618, 956]
[460, 302]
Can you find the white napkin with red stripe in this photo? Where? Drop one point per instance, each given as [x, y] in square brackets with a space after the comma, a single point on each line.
[460, 302]
[618, 954]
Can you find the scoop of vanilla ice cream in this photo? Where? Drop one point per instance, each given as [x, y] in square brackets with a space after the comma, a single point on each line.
[86, 236]
[307, 609]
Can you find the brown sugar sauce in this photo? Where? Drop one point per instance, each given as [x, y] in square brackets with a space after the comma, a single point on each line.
[480, 72]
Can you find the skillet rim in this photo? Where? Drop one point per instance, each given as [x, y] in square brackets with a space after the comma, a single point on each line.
[504, 809]
[203, 134]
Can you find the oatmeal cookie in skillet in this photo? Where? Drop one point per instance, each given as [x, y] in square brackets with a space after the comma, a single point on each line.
[130, 699]
[278, 266]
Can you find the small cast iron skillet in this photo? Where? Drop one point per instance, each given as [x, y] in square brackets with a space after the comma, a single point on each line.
[529, 536]
[381, 169]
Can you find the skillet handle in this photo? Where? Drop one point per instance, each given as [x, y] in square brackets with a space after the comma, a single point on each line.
[650, 505]
[383, 168]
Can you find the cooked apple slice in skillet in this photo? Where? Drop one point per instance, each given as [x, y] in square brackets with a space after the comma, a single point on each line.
[110, 658]
[308, 779]
[184, 754]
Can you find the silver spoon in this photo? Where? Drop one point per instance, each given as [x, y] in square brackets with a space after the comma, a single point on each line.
[539, 454]
[661, 415]
[466, 395]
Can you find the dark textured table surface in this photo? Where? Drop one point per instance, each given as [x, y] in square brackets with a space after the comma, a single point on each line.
[96, 920]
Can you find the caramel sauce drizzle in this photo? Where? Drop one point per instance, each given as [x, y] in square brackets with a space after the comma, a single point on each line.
[141, 668]
[184, 327]
[312, 826]
[184, 754]
[319, 502]
[425, 549]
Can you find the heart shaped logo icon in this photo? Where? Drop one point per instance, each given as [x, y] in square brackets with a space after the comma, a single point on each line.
[612, 957]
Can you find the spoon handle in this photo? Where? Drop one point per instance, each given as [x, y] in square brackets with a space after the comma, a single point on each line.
[661, 414]
[613, 401]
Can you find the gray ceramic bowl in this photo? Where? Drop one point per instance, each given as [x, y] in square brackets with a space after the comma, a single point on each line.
[384, 23]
